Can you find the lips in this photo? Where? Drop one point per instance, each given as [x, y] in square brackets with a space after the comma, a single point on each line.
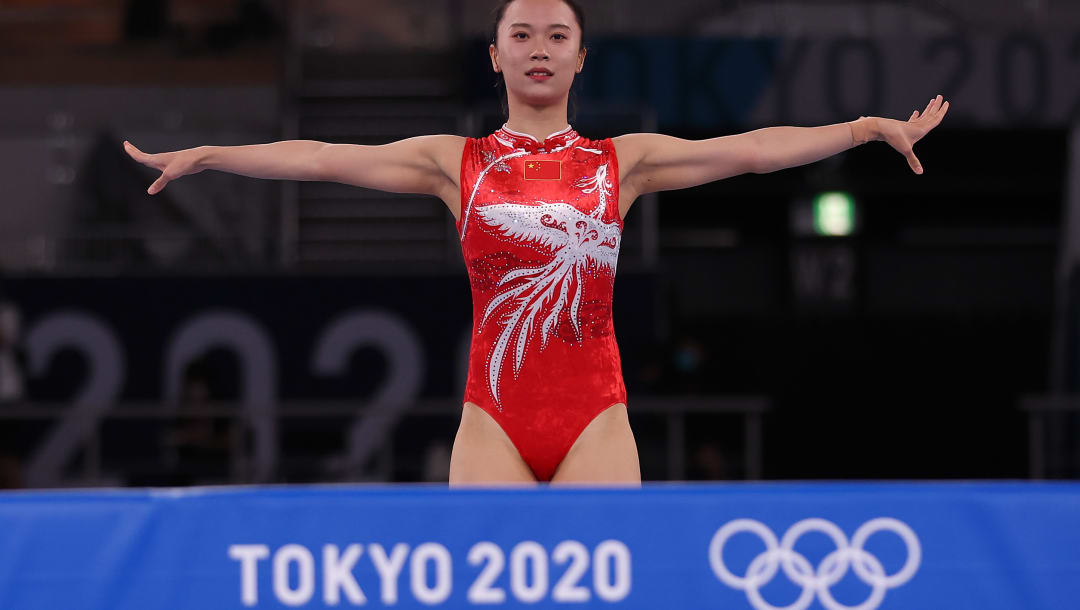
[539, 72]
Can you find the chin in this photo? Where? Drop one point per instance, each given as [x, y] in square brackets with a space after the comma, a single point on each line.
[542, 100]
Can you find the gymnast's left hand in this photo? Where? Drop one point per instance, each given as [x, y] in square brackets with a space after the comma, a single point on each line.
[902, 135]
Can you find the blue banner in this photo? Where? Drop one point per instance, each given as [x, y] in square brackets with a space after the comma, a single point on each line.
[717, 546]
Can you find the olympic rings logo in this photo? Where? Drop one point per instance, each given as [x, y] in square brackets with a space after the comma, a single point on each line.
[831, 570]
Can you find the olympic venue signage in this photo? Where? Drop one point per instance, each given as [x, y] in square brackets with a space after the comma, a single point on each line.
[1008, 78]
[757, 546]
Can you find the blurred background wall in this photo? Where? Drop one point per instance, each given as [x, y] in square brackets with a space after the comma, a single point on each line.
[232, 330]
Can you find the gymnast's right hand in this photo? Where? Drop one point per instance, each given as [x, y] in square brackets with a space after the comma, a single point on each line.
[173, 165]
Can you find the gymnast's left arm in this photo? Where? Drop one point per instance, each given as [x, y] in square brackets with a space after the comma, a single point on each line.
[660, 163]
[784, 147]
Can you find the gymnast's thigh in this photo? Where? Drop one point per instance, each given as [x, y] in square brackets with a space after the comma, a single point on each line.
[604, 453]
[483, 453]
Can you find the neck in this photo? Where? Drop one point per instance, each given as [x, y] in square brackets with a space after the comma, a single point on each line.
[538, 122]
[539, 134]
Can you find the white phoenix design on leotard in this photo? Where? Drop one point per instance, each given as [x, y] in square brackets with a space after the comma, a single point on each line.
[578, 242]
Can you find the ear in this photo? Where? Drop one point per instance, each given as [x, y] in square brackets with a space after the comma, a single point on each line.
[581, 59]
[494, 53]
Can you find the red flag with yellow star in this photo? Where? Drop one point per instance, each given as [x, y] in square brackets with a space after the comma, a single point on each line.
[540, 169]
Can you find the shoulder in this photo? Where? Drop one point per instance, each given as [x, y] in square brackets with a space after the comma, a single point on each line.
[441, 156]
[630, 149]
[631, 146]
[447, 150]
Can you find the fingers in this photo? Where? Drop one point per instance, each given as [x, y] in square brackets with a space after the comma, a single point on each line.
[944, 109]
[158, 184]
[939, 107]
[913, 161]
[147, 160]
[916, 114]
[141, 157]
[935, 109]
[131, 150]
[933, 113]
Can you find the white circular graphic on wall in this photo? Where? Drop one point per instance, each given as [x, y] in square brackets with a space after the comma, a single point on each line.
[815, 582]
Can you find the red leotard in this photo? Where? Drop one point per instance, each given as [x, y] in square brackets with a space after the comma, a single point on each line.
[541, 243]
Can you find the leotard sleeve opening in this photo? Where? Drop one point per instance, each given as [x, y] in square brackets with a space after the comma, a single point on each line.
[615, 172]
[466, 155]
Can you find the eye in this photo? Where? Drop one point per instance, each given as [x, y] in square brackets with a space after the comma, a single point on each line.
[520, 34]
[563, 35]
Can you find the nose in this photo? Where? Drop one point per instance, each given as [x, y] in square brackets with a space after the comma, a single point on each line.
[540, 53]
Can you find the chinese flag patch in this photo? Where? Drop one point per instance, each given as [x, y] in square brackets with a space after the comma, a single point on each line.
[543, 170]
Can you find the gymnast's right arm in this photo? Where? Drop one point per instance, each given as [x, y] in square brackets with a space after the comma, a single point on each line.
[404, 166]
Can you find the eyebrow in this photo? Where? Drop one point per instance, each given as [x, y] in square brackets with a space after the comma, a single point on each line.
[526, 25]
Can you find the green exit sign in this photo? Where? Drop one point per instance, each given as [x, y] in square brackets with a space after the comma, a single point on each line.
[834, 214]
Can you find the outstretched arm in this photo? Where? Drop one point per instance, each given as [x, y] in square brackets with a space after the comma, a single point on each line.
[411, 165]
[784, 147]
[659, 162]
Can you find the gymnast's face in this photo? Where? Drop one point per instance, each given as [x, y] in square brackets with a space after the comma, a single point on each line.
[538, 34]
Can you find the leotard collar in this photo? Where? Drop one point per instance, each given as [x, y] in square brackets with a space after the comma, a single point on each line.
[516, 139]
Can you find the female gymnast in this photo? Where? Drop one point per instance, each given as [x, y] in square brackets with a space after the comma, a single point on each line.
[539, 211]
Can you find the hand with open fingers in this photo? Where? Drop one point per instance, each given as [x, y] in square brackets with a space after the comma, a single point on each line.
[902, 135]
[173, 165]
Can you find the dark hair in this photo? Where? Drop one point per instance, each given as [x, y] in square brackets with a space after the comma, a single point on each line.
[500, 80]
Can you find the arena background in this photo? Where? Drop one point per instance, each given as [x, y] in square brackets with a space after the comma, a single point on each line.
[299, 333]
